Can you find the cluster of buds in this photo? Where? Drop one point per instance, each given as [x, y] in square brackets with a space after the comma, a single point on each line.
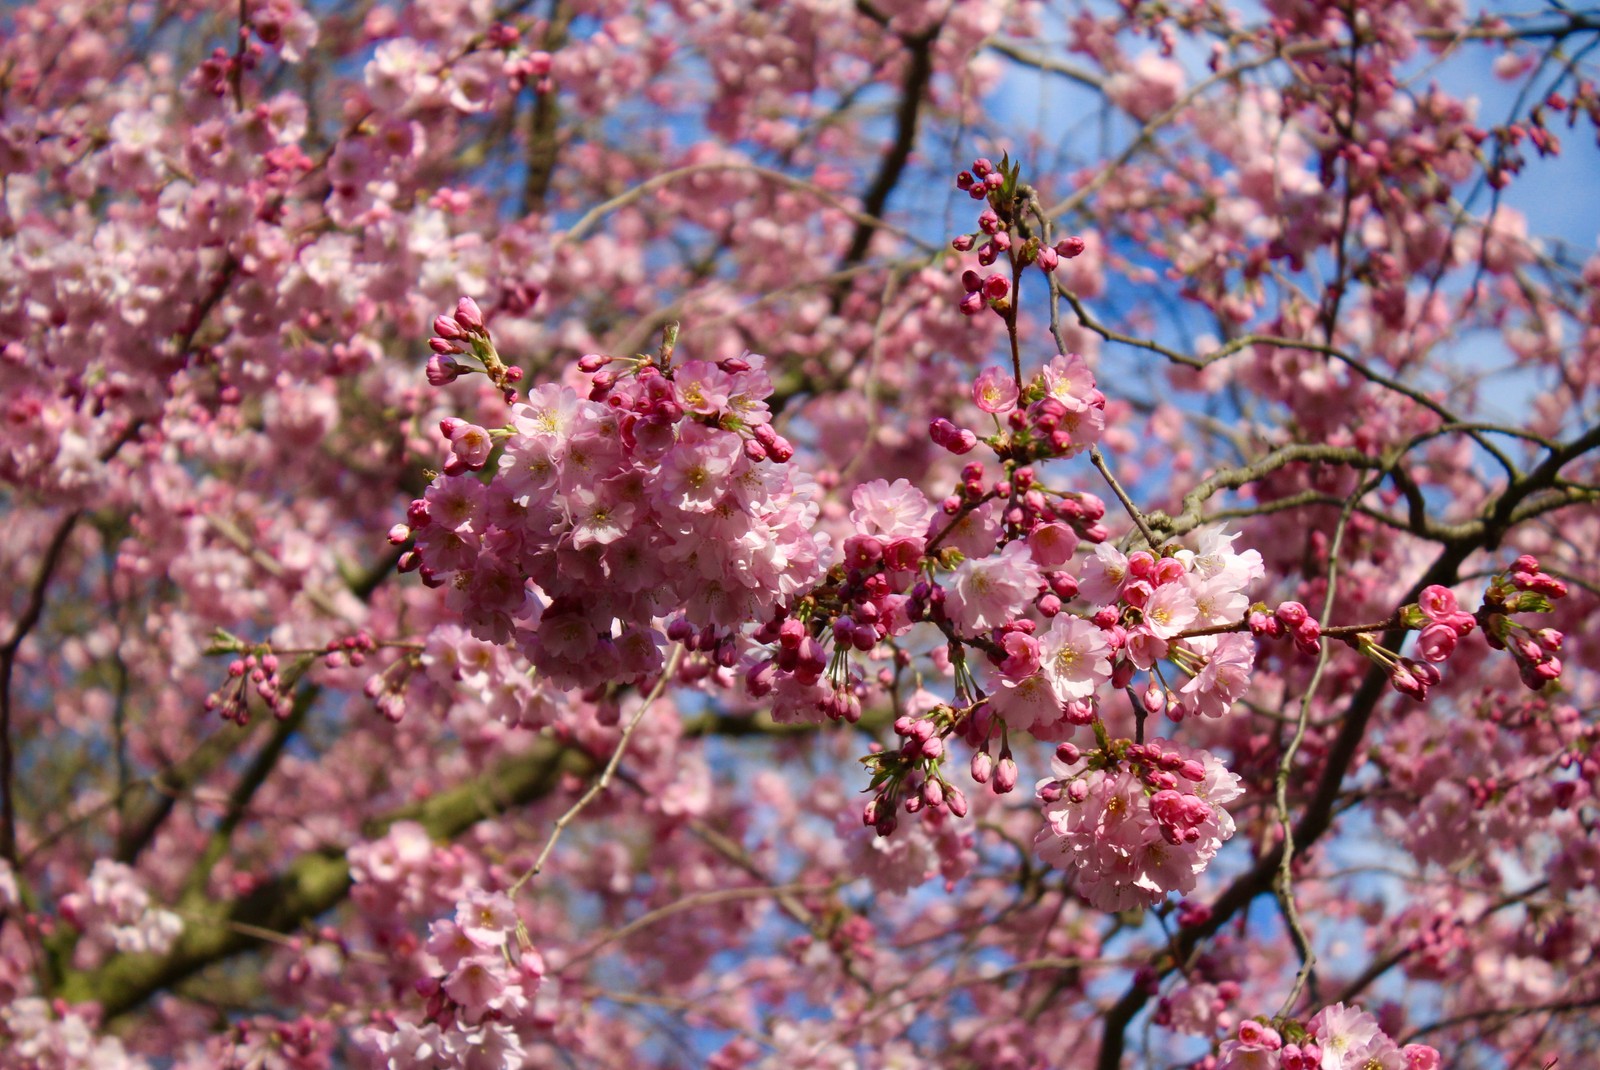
[946, 435]
[1440, 622]
[911, 777]
[352, 650]
[715, 649]
[255, 672]
[1290, 619]
[984, 291]
[1001, 775]
[1523, 588]
[217, 73]
[464, 334]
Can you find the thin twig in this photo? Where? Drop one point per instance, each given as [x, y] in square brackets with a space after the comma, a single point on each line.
[1122, 496]
[603, 781]
[1284, 884]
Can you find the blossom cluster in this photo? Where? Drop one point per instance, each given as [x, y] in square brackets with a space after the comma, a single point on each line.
[113, 910]
[479, 995]
[975, 563]
[36, 1034]
[1141, 607]
[665, 488]
[1335, 1038]
[1135, 821]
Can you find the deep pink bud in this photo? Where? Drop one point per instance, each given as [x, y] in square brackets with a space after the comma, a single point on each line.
[469, 315]
[1291, 613]
[972, 304]
[1308, 636]
[1263, 625]
[996, 286]
[446, 327]
[1437, 603]
[1070, 247]
[1436, 642]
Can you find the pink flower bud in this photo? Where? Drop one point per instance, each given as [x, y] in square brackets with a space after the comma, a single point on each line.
[1070, 247]
[442, 370]
[1291, 613]
[1308, 636]
[972, 304]
[1436, 642]
[956, 801]
[469, 315]
[996, 286]
[1005, 775]
[982, 767]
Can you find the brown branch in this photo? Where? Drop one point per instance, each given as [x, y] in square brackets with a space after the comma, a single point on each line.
[32, 610]
[919, 72]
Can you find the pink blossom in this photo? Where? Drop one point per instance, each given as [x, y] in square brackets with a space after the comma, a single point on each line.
[890, 511]
[995, 391]
[1169, 610]
[1075, 656]
[1052, 544]
[1101, 579]
[989, 591]
[1438, 603]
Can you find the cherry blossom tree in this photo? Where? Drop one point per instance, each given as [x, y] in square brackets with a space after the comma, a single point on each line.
[893, 534]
